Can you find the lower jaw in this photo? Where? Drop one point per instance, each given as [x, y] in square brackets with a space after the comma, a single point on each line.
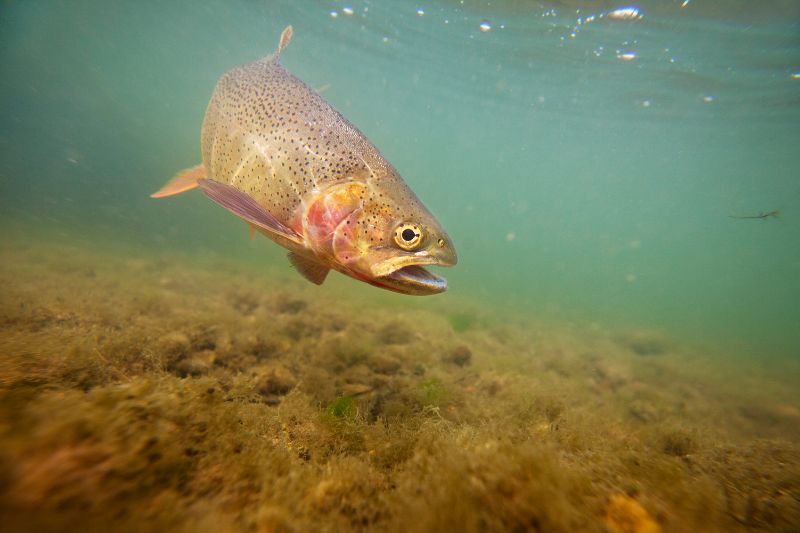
[413, 279]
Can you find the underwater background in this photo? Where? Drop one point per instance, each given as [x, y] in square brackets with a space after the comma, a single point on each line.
[589, 160]
[586, 167]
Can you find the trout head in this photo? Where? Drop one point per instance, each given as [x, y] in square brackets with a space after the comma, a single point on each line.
[380, 235]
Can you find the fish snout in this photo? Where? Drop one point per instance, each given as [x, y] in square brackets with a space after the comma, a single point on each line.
[444, 252]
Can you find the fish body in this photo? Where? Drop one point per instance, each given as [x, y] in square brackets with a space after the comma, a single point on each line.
[276, 154]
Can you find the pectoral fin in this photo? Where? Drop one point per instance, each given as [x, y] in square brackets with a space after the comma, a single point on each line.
[245, 207]
[311, 270]
[183, 181]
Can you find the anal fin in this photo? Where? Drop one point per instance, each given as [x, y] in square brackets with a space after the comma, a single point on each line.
[309, 269]
[183, 181]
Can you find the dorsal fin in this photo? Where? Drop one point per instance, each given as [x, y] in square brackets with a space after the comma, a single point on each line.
[286, 36]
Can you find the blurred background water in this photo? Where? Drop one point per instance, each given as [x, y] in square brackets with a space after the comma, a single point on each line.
[585, 156]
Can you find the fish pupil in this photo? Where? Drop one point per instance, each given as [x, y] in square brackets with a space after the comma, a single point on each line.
[408, 235]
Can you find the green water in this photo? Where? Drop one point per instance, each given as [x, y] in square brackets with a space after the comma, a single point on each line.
[586, 168]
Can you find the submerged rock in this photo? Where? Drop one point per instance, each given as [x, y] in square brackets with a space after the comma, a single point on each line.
[460, 355]
[383, 364]
[277, 381]
[395, 333]
[290, 306]
[626, 515]
[173, 347]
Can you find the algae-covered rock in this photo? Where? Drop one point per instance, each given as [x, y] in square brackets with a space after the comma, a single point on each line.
[173, 347]
[278, 380]
[383, 363]
[256, 405]
[461, 355]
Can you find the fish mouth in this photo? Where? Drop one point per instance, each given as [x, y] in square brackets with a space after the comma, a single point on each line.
[414, 280]
[405, 274]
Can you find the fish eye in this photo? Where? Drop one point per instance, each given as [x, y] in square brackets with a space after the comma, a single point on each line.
[408, 236]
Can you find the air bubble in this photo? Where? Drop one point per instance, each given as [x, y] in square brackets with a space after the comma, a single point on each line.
[626, 13]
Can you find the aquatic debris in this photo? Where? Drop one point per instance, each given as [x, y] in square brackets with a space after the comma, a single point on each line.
[279, 157]
[762, 215]
[485, 26]
[626, 515]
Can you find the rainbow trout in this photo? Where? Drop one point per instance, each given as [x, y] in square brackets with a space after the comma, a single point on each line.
[278, 156]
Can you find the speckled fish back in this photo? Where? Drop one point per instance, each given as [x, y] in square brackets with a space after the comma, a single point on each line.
[272, 137]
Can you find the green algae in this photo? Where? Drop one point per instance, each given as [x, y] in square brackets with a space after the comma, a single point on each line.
[130, 399]
[343, 407]
[461, 321]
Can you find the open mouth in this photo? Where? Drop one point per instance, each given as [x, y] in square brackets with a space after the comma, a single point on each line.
[414, 279]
